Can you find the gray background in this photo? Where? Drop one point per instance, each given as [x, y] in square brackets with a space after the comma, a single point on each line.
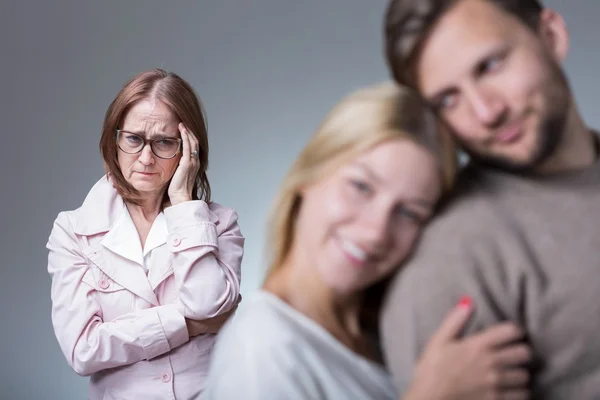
[267, 71]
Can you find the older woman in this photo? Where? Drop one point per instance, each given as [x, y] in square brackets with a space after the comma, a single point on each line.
[147, 270]
[348, 213]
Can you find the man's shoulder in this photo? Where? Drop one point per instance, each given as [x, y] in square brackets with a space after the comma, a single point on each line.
[472, 206]
[472, 224]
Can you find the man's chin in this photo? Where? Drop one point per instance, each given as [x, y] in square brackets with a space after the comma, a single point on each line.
[508, 163]
[520, 162]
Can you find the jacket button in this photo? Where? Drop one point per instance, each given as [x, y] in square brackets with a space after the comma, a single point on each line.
[165, 377]
[175, 241]
[104, 284]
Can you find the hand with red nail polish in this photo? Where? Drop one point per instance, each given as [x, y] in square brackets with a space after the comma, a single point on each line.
[488, 365]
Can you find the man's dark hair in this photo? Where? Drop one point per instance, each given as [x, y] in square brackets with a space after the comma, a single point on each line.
[409, 22]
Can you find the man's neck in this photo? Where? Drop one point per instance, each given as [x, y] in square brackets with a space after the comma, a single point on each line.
[577, 150]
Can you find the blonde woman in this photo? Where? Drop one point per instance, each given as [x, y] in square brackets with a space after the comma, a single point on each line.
[349, 212]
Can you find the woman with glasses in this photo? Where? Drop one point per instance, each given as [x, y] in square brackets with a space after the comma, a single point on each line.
[147, 270]
[348, 213]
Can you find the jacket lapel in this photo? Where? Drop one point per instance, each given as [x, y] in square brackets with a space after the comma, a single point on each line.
[162, 267]
[123, 242]
[123, 239]
[160, 261]
[128, 274]
[119, 255]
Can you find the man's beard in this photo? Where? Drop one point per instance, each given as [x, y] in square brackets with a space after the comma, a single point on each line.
[548, 137]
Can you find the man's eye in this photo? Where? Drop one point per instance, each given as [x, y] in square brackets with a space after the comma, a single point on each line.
[491, 64]
[446, 102]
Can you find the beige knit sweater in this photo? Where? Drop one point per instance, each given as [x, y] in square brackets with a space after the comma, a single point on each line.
[526, 250]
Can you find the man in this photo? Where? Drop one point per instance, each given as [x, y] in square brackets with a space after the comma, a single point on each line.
[520, 235]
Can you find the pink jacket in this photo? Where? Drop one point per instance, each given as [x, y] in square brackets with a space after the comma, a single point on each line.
[126, 327]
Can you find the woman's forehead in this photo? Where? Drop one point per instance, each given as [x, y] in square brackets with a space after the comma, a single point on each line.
[146, 115]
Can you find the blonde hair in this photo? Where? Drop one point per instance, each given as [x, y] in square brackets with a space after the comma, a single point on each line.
[359, 122]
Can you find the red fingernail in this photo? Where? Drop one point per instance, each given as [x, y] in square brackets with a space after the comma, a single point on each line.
[465, 302]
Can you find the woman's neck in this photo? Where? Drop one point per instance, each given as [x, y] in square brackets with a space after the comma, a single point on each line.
[147, 210]
[306, 292]
[143, 216]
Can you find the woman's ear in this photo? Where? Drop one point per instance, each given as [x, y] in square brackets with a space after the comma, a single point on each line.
[300, 191]
[300, 188]
[554, 34]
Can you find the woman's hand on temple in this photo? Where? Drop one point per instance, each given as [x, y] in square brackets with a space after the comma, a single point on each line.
[182, 183]
[488, 365]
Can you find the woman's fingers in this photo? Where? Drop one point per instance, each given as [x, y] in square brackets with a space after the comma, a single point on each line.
[454, 322]
[513, 355]
[190, 145]
[500, 335]
[517, 394]
[514, 378]
[185, 142]
[193, 141]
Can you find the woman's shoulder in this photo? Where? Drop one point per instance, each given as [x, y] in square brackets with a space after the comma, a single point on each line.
[260, 322]
[264, 325]
[258, 354]
[102, 205]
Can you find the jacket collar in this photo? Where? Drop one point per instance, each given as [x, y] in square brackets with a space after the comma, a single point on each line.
[123, 238]
[100, 210]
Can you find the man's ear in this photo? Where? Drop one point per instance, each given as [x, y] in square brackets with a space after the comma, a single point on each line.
[554, 34]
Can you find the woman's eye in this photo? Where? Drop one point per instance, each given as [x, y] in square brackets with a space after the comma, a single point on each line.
[134, 139]
[361, 186]
[405, 212]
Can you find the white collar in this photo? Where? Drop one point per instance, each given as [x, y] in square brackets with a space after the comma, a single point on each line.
[123, 238]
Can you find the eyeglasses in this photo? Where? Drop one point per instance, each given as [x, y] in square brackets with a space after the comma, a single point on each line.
[132, 143]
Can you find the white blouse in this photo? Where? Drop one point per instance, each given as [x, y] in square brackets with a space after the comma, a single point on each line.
[269, 350]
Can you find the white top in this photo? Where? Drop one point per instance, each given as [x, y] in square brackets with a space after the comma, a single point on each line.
[127, 234]
[269, 350]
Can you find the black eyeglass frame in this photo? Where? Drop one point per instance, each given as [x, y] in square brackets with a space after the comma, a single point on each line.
[146, 141]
